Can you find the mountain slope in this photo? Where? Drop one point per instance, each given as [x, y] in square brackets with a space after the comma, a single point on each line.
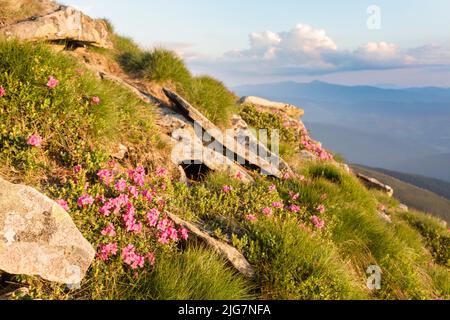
[308, 236]
[437, 186]
[412, 196]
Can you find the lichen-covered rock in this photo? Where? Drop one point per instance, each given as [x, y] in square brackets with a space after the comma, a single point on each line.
[37, 237]
[288, 109]
[65, 23]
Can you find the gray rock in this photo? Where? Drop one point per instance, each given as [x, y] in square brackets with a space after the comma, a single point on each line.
[119, 152]
[373, 183]
[65, 23]
[229, 143]
[236, 258]
[403, 208]
[37, 237]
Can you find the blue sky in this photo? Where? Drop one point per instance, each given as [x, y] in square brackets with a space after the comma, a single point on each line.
[325, 40]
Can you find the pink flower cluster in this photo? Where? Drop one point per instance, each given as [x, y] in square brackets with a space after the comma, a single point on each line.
[227, 189]
[317, 222]
[85, 200]
[137, 176]
[106, 176]
[321, 208]
[109, 231]
[125, 197]
[52, 82]
[161, 172]
[107, 250]
[130, 221]
[63, 204]
[95, 100]
[131, 258]
[35, 140]
[314, 147]
[2, 91]
[251, 218]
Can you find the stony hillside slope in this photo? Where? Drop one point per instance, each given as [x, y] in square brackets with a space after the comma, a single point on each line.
[96, 128]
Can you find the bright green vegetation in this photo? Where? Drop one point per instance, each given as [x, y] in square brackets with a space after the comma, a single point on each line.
[289, 139]
[311, 236]
[296, 261]
[73, 128]
[164, 67]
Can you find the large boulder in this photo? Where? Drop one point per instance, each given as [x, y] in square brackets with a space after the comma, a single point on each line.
[37, 237]
[65, 23]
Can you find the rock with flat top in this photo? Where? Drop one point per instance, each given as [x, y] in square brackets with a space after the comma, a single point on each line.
[289, 109]
[37, 237]
[64, 23]
[373, 183]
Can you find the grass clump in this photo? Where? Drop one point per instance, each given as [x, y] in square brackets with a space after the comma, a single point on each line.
[165, 67]
[195, 274]
[73, 127]
[434, 232]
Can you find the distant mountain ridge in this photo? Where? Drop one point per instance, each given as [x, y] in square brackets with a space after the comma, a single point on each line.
[399, 129]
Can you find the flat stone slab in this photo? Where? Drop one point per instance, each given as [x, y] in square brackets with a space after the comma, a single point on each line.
[37, 237]
[236, 258]
[65, 23]
[228, 142]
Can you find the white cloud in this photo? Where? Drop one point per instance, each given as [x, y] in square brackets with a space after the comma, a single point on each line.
[305, 50]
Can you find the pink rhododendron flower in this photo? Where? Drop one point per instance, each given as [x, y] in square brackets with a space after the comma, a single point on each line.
[151, 258]
[287, 176]
[35, 140]
[109, 231]
[77, 169]
[137, 176]
[184, 234]
[172, 233]
[294, 208]
[317, 222]
[131, 258]
[321, 208]
[95, 100]
[294, 196]
[239, 175]
[161, 172]
[107, 250]
[153, 217]
[133, 191]
[2, 92]
[267, 212]
[52, 82]
[251, 217]
[63, 204]
[278, 205]
[227, 189]
[85, 200]
[147, 194]
[121, 185]
[130, 221]
[272, 188]
[106, 176]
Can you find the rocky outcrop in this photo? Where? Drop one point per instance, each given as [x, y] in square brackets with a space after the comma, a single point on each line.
[37, 237]
[373, 183]
[232, 147]
[272, 106]
[236, 258]
[65, 23]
